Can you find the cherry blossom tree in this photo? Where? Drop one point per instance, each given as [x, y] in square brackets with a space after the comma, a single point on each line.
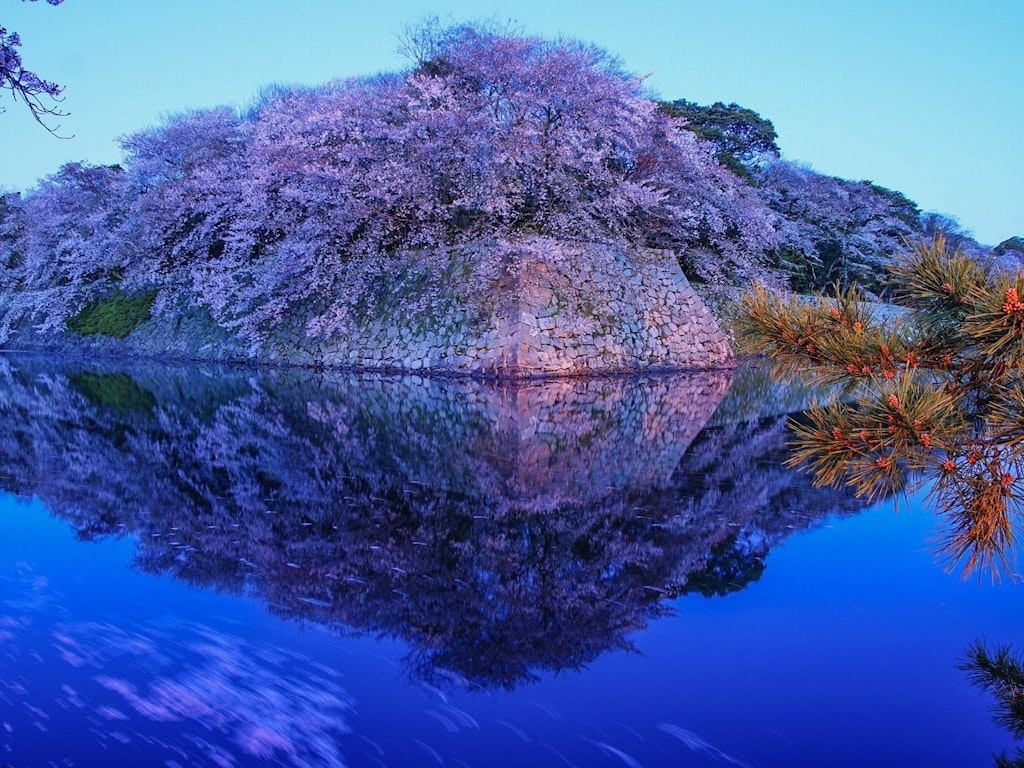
[487, 137]
[832, 229]
[487, 140]
[63, 244]
[185, 178]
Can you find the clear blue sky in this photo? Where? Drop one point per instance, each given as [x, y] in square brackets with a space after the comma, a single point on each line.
[923, 96]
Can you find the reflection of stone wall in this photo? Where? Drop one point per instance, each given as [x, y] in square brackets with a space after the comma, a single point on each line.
[499, 528]
[541, 440]
[584, 436]
[544, 308]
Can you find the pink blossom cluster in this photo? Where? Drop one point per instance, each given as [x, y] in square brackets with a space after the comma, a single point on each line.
[832, 229]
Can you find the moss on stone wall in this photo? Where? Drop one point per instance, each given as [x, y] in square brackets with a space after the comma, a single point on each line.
[115, 316]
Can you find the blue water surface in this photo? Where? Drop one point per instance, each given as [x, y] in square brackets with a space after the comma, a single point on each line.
[118, 649]
[844, 653]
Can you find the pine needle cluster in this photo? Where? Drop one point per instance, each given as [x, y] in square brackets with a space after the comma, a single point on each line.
[1000, 672]
[935, 395]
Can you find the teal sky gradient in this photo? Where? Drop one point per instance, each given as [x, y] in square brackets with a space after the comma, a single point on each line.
[925, 96]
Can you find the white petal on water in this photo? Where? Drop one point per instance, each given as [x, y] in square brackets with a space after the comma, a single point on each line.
[633, 731]
[448, 723]
[315, 601]
[456, 679]
[776, 733]
[463, 717]
[434, 690]
[597, 728]
[73, 699]
[698, 744]
[430, 750]
[565, 760]
[547, 709]
[373, 744]
[627, 759]
[110, 713]
[36, 711]
[517, 731]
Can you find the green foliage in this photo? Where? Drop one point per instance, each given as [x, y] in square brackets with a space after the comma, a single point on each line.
[902, 206]
[116, 316]
[962, 309]
[877, 442]
[1010, 244]
[115, 390]
[939, 395]
[739, 134]
[1001, 673]
[830, 341]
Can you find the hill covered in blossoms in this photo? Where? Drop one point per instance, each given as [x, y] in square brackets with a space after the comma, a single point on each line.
[321, 212]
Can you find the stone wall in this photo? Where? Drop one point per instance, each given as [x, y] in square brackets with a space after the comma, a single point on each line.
[578, 309]
[544, 308]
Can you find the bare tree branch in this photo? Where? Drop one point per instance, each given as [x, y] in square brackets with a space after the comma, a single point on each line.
[42, 97]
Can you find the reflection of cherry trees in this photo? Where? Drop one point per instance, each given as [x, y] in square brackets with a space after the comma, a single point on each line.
[500, 530]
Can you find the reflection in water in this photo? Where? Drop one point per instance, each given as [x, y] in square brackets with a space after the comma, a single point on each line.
[500, 530]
